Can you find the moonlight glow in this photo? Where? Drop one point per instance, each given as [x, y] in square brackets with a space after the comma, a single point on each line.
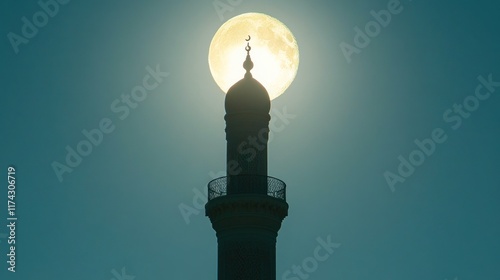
[275, 53]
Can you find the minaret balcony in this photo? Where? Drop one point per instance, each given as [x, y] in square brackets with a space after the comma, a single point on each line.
[247, 184]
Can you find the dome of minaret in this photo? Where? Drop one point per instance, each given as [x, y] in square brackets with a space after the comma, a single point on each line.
[247, 95]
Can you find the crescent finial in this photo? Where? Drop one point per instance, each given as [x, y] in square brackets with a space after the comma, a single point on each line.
[248, 48]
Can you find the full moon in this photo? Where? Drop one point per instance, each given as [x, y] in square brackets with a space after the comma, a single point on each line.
[274, 52]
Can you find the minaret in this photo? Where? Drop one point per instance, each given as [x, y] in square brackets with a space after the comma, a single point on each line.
[246, 207]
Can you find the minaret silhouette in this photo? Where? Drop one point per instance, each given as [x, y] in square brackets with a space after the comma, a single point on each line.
[246, 207]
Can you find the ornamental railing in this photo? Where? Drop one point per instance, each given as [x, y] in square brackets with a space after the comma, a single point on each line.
[247, 184]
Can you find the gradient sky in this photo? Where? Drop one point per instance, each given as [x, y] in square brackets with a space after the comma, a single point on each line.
[119, 207]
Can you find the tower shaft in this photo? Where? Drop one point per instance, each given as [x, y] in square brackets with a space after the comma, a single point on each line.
[247, 135]
[247, 227]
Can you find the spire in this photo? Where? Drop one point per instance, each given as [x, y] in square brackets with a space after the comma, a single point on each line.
[248, 64]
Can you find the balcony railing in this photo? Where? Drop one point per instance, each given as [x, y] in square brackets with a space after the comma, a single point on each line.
[247, 184]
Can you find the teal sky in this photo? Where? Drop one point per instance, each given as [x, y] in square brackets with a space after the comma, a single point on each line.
[344, 126]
